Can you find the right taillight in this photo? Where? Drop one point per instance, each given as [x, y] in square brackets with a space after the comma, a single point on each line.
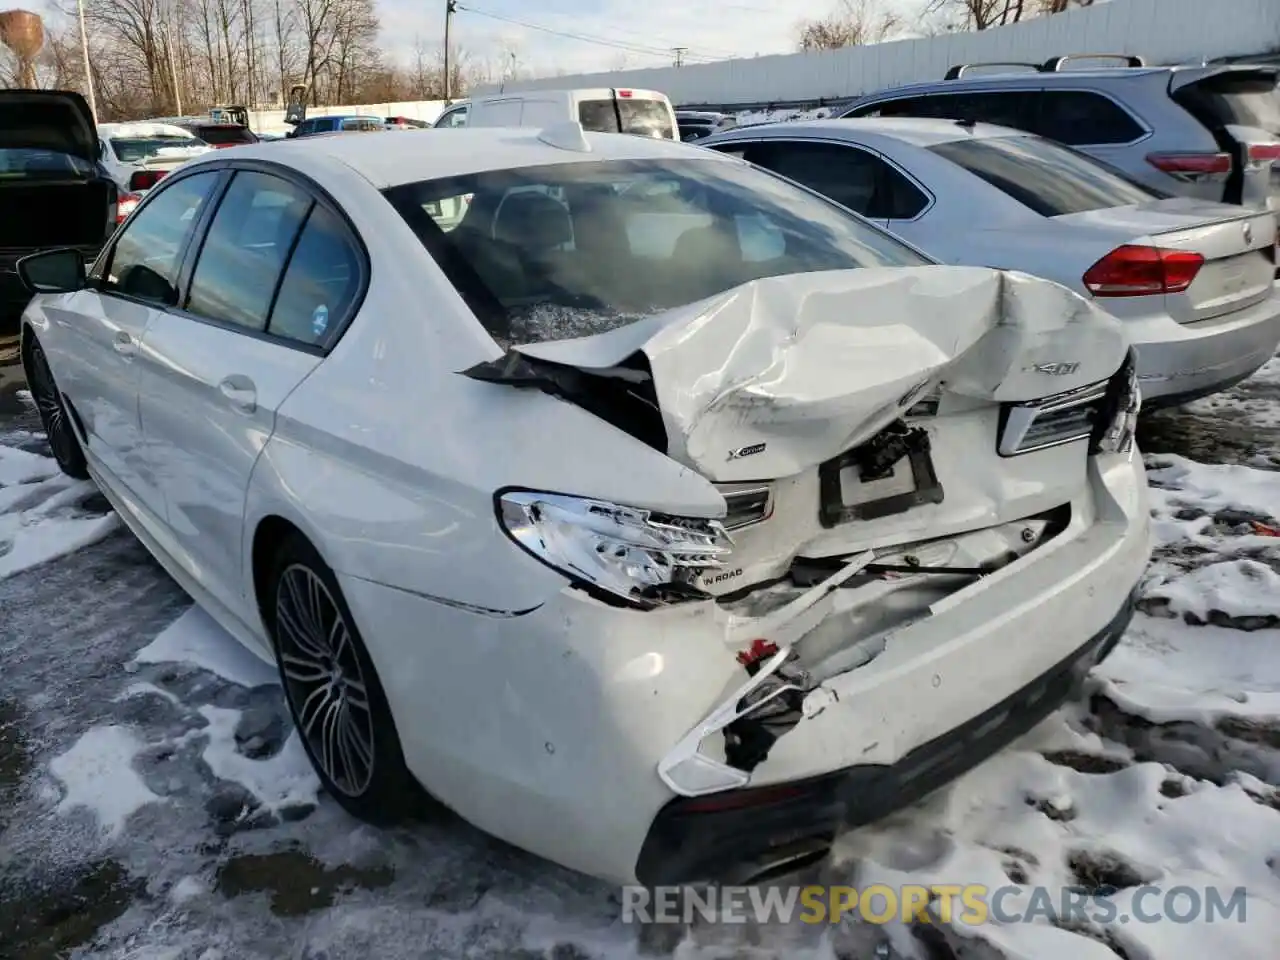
[1193, 167]
[1261, 155]
[1139, 271]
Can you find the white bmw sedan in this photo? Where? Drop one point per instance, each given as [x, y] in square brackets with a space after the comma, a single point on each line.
[654, 514]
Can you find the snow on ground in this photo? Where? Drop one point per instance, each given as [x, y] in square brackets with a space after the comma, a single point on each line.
[752, 117]
[42, 512]
[155, 803]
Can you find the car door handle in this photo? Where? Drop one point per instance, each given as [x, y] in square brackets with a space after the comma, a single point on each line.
[241, 392]
[124, 344]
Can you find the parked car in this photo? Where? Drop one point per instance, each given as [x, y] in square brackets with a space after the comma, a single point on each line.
[405, 123]
[696, 124]
[688, 403]
[646, 113]
[337, 124]
[1211, 132]
[54, 192]
[217, 132]
[1192, 280]
[138, 155]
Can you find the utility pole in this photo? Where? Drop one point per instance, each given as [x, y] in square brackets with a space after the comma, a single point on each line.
[450, 8]
[88, 70]
[679, 52]
[173, 69]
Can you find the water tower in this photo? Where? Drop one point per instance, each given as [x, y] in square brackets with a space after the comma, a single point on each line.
[23, 32]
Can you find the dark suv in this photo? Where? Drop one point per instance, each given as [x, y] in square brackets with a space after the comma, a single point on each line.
[1208, 131]
[54, 192]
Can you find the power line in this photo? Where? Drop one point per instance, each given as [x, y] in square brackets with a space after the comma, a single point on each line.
[582, 37]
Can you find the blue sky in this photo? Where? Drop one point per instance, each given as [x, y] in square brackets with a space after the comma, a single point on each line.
[638, 33]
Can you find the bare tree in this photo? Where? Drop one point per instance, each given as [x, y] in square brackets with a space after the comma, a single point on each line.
[982, 14]
[853, 23]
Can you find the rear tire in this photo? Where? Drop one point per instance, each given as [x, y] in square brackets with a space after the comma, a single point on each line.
[334, 695]
[58, 426]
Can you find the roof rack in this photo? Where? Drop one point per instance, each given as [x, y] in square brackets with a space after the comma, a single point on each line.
[1055, 64]
[958, 71]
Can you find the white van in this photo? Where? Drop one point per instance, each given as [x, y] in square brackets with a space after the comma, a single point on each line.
[605, 110]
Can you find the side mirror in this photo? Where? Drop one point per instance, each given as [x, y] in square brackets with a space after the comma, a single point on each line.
[53, 271]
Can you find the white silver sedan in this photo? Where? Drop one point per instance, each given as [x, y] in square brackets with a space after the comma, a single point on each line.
[654, 514]
[1192, 280]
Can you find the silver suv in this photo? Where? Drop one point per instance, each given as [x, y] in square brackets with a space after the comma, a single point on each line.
[1208, 131]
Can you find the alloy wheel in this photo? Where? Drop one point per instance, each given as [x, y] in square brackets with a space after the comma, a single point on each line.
[62, 441]
[324, 681]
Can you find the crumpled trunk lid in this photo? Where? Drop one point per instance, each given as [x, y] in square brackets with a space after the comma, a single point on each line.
[781, 374]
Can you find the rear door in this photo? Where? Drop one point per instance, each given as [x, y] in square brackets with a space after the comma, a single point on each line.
[1241, 108]
[275, 279]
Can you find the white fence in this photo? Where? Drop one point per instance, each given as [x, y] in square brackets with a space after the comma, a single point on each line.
[272, 121]
[1162, 31]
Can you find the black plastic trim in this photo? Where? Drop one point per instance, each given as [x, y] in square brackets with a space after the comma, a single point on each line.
[689, 843]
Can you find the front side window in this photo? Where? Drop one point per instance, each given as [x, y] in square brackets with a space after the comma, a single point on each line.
[453, 118]
[145, 260]
[1050, 179]
[245, 249]
[578, 248]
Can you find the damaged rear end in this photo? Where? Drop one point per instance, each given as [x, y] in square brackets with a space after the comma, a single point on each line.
[932, 513]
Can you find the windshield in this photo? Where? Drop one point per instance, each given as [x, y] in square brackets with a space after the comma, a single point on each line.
[575, 249]
[137, 149]
[1051, 179]
[26, 163]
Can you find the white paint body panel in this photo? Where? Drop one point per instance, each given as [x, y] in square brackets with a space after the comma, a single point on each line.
[388, 461]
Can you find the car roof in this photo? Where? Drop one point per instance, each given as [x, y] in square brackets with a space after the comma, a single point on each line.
[429, 154]
[919, 131]
[1048, 78]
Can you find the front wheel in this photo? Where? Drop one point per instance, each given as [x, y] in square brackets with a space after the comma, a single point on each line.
[63, 442]
[333, 692]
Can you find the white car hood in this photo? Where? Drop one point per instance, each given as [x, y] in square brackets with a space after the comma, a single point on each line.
[794, 370]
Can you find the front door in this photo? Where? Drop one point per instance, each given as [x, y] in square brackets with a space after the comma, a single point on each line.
[102, 328]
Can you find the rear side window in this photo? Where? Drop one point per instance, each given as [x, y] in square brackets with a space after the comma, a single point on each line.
[1246, 99]
[245, 250]
[1049, 179]
[850, 176]
[1077, 117]
[321, 283]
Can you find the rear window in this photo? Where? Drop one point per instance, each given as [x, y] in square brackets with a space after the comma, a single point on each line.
[575, 249]
[646, 118]
[1242, 99]
[1050, 179]
[25, 163]
[220, 136]
[137, 149]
